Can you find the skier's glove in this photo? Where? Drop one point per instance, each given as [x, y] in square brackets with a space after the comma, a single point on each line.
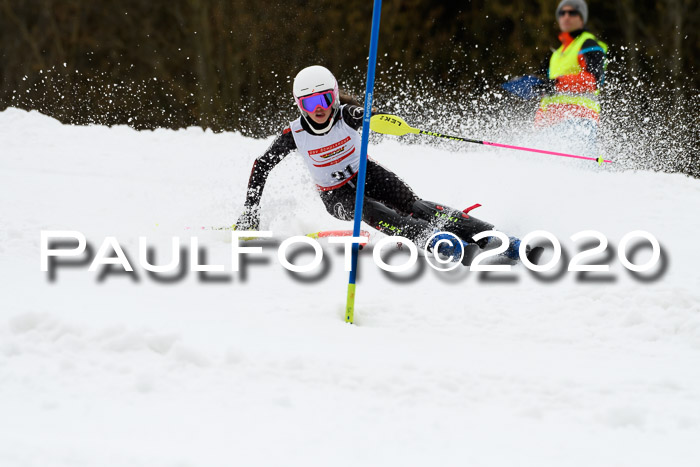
[249, 219]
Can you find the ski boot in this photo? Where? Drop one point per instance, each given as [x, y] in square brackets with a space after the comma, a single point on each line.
[452, 248]
[449, 219]
[513, 251]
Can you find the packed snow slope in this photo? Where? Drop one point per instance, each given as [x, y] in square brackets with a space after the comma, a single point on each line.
[458, 368]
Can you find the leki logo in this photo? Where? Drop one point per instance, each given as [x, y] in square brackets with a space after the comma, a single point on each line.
[326, 156]
[386, 226]
[445, 216]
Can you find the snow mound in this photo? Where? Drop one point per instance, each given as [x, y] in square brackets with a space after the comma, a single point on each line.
[259, 369]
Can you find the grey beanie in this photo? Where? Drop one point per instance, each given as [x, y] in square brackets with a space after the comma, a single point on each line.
[580, 6]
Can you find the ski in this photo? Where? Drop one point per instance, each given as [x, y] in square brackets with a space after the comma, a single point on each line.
[314, 235]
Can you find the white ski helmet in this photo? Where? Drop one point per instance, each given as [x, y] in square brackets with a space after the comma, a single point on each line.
[313, 80]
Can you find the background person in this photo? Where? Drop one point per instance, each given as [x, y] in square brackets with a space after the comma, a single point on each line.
[573, 75]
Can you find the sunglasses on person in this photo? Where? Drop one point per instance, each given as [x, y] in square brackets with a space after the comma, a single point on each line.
[323, 99]
[563, 13]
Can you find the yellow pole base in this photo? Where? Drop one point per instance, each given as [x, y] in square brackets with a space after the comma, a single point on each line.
[350, 306]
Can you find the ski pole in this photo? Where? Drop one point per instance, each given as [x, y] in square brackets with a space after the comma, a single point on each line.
[393, 125]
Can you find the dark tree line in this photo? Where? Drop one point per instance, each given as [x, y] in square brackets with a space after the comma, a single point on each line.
[228, 64]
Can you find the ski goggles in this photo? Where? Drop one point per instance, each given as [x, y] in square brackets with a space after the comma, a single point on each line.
[572, 13]
[323, 99]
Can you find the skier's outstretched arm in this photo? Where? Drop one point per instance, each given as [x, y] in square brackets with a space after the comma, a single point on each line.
[263, 165]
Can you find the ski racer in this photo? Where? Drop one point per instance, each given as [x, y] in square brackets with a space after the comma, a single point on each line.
[326, 136]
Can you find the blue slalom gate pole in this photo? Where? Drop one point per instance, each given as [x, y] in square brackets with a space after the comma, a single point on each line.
[360, 195]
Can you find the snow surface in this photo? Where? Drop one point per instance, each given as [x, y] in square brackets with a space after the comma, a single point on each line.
[441, 369]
